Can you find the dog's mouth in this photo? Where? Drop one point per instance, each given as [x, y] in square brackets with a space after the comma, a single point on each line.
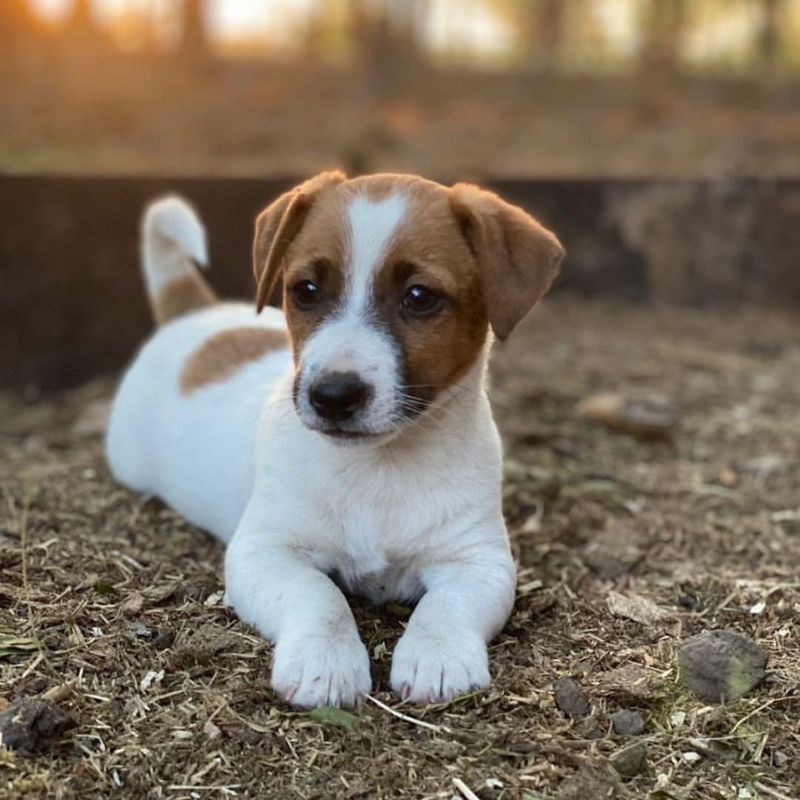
[349, 438]
[347, 435]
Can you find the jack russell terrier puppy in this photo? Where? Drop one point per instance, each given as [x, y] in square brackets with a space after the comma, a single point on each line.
[346, 443]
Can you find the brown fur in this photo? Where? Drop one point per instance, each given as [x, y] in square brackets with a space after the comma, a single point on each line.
[319, 253]
[226, 352]
[428, 248]
[180, 296]
[519, 259]
[277, 226]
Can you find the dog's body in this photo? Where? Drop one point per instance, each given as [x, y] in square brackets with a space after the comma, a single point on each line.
[335, 450]
[195, 449]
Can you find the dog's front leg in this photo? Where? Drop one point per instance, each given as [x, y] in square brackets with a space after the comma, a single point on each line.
[443, 652]
[319, 659]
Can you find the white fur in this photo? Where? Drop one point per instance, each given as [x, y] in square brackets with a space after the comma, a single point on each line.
[171, 234]
[195, 451]
[415, 516]
[372, 225]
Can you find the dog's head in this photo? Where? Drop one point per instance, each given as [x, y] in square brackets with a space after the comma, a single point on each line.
[390, 285]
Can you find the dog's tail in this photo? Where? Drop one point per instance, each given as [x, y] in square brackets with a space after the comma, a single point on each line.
[173, 241]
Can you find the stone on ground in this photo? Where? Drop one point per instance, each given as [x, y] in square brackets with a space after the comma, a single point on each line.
[627, 723]
[570, 698]
[630, 760]
[721, 666]
[32, 724]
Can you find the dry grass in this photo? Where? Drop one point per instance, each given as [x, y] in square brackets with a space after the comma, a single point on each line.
[170, 694]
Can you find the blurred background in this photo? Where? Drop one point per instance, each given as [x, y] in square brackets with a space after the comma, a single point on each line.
[465, 88]
[650, 406]
[659, 138]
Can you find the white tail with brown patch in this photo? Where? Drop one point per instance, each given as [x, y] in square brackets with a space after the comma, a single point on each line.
[173, 240]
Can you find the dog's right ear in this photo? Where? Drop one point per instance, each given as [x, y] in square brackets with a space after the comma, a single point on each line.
[276, 227]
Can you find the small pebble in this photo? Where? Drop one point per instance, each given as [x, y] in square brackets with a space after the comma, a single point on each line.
[140, 630]
[588, 783]
[627, 723]
[646, 415]
[163, 639]
[614, 552]
[630, 760]
[32, 724]
[587, 728]
[689, 602]
[570, 698]
[721, 665]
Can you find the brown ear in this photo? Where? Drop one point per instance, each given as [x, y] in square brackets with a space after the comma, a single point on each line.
[518, 258]
[276, 227]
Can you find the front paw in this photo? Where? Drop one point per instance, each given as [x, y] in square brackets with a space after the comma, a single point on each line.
[316, 670]
[436, 667]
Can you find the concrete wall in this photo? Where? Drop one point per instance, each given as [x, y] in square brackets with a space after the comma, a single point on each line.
[72, 304]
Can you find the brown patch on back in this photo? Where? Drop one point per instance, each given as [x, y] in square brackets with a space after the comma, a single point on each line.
[181, 296]
[226, 352]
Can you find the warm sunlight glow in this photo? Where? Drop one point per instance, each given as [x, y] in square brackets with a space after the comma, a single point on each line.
[480, 29]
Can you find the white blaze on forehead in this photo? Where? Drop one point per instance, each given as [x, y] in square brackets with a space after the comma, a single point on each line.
[372, 225]
[348, 341]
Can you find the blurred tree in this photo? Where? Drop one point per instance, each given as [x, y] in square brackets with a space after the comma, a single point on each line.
[194, 30]
[369, 34]
[542, 25]
[17, 25]
[551, 31]
[315, 27]
[15, 15]
[387, 34]
[663, 26]
[407, 21]
[83, 38]
[769, 37]
[136, 25]
[81, 15]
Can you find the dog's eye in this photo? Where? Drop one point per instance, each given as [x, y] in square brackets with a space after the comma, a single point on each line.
[421, 301]
[305, 293]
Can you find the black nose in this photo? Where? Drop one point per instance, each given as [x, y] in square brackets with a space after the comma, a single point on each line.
[336, 396]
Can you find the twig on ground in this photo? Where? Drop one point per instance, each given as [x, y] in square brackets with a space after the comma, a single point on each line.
[422, 724]
[464, 789]
[762, 787]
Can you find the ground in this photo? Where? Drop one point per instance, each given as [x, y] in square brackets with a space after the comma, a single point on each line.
[169, 693]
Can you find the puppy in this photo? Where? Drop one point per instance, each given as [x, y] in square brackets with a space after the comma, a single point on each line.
[346, 443]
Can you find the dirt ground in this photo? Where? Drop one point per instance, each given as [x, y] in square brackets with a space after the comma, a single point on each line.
[110, 605]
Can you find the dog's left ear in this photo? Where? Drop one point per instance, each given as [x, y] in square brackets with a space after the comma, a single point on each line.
[519, 258]
[276, 227]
